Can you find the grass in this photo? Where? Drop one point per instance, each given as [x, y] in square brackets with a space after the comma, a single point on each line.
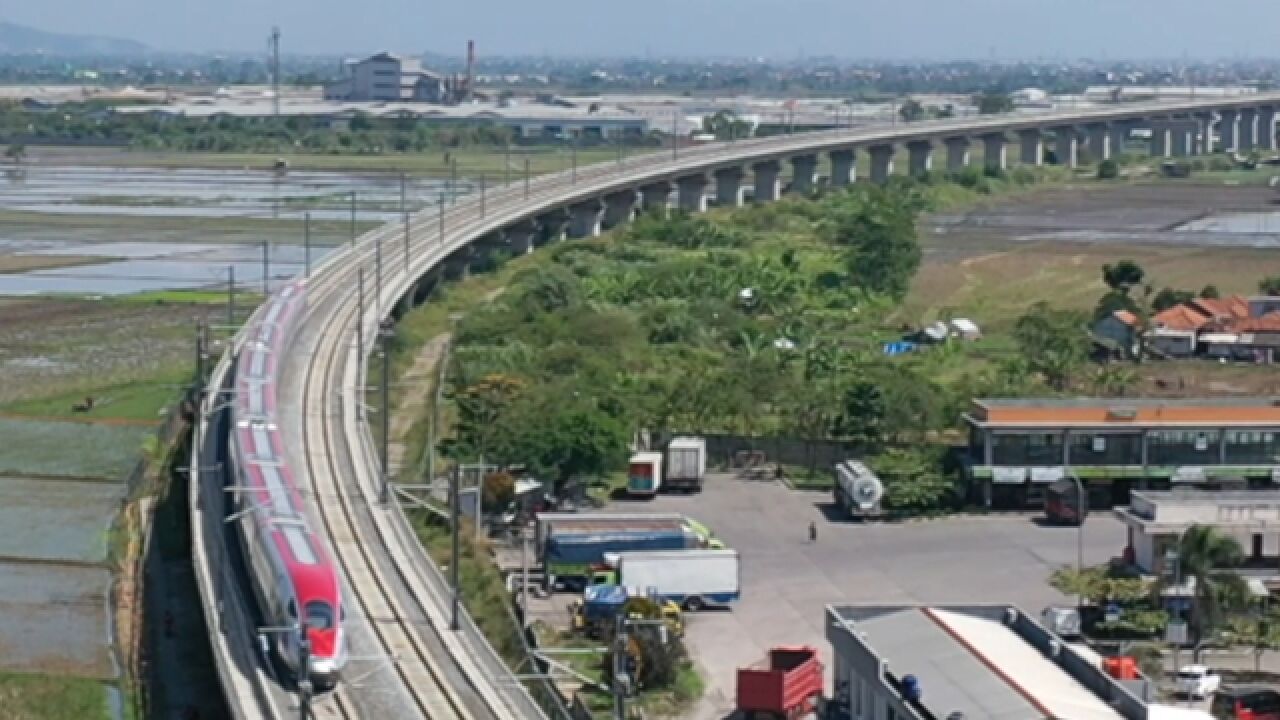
[471, 161]
[188, 297]
[142, 401]
[73, 449]
[44, 697]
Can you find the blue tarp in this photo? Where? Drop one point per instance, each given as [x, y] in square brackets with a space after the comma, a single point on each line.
[899, 348]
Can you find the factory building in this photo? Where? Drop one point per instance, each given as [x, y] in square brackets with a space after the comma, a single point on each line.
[388, 78]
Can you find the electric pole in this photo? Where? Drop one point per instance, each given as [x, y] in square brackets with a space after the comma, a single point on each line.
[482, 193]
[274, 42]
[526, 178]
[360, 317]
[306, 241]
[231, 297]
[353, 217]
[266, 265]
[453, 559]
[386, 332]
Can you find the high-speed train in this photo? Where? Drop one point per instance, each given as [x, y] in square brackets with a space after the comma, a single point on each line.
[295, 581]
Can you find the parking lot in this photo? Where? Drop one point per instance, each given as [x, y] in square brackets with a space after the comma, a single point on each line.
[786, 581]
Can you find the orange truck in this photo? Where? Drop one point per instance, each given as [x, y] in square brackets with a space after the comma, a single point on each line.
[788, 687]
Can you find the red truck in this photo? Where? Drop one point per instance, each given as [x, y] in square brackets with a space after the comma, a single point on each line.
[788, 688]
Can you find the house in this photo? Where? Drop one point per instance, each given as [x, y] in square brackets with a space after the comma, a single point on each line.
[1119, 332]
[1174, 331]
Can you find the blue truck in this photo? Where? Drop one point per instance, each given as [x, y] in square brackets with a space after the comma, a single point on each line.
[571, 553]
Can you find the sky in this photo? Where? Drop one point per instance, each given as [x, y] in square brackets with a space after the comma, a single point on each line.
[776, 29]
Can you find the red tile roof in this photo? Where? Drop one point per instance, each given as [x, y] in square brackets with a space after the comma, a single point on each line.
[1180, 317]
[1233, 306]
[1267, 323]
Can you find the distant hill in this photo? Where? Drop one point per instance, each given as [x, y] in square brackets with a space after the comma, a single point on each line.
[22, 39]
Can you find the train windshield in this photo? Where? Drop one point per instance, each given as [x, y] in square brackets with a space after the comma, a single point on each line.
[320, 616]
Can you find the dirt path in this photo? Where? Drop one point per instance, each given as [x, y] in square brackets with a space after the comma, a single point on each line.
[418, 385]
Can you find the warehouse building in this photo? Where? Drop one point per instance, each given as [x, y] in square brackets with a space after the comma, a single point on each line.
[976, 662]
[1017, 447]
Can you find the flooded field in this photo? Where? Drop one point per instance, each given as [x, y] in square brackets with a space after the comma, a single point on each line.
[130, 230]
[55, 619]
[50, 520]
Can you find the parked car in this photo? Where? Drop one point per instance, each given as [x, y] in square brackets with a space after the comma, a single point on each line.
[1198, 681]
[1245, 703]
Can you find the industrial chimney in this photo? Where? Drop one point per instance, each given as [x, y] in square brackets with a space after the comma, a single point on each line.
[471, 70]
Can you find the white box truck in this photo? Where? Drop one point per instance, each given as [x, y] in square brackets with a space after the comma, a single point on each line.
[644, 474]
[692, 578]
[686, 464]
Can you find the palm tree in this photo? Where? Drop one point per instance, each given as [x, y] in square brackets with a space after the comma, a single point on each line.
[1207, 555]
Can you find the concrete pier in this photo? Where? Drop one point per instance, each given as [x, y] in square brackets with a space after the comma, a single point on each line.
[1099, 135]
[691, 193]
[1031, 142]
[1267, 128]
[1204, 133]
[919, 158]
[519, 238]
[1159, 139]
[881, 163]
[1182, 138]
[1247, 139]
[767, 185]
[553, 225]
[844, 167]
[729, 190]
[995, 151]
[1228, 125]
[957, 153]
[655, 198]
[1066, 146]
[1119, 132]
[619, 208]
[584, 219]
[804, 173]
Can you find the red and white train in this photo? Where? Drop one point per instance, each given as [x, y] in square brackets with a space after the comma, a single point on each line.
[295, 581]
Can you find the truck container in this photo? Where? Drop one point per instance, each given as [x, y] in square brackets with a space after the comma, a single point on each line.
[644, 474]
[691, 578]
[686, 464]
[789, 686]
[603, 522]
[858, 492]
[569, 558]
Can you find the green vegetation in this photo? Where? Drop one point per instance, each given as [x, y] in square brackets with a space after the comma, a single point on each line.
[762, 321]
[136, 402]
[45, 697]
[992, 103]
[68, 448]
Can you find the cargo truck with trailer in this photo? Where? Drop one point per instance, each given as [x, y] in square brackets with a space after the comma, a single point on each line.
[692, 579]
[686, 464]
[644, 474]
[598, 522]
[570, 554]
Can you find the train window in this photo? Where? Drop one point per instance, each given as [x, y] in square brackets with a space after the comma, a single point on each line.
[319, 615]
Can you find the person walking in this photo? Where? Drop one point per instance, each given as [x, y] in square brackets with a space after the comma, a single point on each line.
[813, 532]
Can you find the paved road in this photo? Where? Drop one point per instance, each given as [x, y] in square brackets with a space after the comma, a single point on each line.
[786, 582]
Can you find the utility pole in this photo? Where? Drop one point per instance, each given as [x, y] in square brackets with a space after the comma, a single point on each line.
[386, 332]
[402, 192]
[406, 243]
[453, 180]
[433, 428]
[275, 72]
[266, 265]
[360, 317]
[675, 133]
[353, 217]
[306, 240]
[526, 178]
[377, 274]
[199, 385]
[453, 559]
[482, 193]
[619, 667]
[574, 155]
[524, 570]
[231, 296]
[506, 165]
[440, 214]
